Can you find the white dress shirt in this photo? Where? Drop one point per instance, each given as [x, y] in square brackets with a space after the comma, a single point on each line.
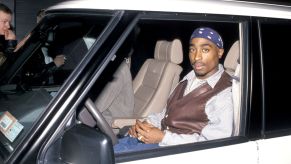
[219, 110]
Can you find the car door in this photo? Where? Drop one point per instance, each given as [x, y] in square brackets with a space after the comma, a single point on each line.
[240, 153]
[59, 135]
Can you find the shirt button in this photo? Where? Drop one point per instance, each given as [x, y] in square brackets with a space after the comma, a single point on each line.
[167, 128]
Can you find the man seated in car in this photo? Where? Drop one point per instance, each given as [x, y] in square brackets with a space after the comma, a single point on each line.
[200, 108]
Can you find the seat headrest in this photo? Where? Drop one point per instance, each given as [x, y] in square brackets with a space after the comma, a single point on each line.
[231, 59]
[171, 51]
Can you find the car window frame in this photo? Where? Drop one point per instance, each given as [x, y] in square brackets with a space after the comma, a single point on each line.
[244, 37]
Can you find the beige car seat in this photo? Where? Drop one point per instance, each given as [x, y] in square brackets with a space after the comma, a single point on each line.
[115, 100]
[154, 81]
[232, 67]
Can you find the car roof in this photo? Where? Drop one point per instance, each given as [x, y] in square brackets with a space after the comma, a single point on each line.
[226, 7]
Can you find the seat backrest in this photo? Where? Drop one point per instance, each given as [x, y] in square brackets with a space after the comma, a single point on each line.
[157, 77]
[116, 98]
[75, 52]
[232, 67]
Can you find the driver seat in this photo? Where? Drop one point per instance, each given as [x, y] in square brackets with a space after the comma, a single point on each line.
[154, 81]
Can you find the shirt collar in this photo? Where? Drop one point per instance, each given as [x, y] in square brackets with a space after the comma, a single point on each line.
[212, 80]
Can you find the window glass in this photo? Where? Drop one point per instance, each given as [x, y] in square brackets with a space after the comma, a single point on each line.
[276, 48]
[41, 65]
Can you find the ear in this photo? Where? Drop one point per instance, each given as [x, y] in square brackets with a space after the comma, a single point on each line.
[220, 52]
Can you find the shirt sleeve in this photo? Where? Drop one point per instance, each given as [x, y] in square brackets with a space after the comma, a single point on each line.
[219, 110]
[155, 119]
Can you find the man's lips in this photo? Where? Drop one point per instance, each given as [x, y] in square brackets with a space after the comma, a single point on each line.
[198, 66]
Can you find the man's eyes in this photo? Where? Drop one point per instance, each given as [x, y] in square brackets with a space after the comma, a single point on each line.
[192, 49]
[205, 50]
[5, 21]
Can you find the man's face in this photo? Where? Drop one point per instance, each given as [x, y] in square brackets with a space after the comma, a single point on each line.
[5, 20]
[204, 57]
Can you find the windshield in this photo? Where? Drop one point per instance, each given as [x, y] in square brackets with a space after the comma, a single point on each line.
[49, 54]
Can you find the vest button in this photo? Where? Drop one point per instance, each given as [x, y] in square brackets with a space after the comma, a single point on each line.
[166, 116]
[167, 128]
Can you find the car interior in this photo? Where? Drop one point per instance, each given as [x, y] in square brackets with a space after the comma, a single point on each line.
[153, 66]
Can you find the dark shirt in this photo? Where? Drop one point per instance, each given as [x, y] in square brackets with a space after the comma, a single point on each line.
[7, 46]
[7, 55]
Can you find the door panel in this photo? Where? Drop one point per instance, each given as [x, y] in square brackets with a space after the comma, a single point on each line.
[275, 150]
[245, 153]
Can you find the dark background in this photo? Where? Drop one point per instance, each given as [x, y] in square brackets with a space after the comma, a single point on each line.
[25, 12]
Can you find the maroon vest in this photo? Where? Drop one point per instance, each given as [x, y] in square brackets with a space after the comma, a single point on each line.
[186, 114]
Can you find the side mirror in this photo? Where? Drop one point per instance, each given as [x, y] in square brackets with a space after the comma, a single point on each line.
[81, 144]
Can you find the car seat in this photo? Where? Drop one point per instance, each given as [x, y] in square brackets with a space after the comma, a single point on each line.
[154, 81]
[232, 67]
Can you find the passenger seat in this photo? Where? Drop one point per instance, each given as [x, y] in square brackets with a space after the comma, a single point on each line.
[232, 67]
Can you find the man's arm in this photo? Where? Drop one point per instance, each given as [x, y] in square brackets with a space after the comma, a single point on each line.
[156, 118]
[11, 41]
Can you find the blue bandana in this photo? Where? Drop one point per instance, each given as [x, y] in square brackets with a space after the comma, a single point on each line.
[208, 33]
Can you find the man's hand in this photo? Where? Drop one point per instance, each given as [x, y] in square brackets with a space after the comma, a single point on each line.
[59, 60]
[133, 129]
[9, 35]
[147, 133]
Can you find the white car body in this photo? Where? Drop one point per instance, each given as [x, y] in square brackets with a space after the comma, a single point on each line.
[258, 142]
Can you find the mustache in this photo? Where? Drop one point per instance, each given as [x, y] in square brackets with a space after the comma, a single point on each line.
[197, 63]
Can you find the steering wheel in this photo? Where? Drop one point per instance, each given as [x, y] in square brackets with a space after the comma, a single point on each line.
[101, 122]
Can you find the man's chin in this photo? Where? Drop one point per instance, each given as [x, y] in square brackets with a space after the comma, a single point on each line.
[199, 73]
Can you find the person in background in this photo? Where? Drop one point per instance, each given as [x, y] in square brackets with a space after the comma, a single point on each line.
[59, 59]
[39, 15]
[50, 62]
[46, 61]
[7, 36]
[199, 109]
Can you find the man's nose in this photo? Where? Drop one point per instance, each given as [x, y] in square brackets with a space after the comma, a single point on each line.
[198, 55]
[7, 24]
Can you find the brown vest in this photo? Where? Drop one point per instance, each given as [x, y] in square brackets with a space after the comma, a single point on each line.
[186, 114]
